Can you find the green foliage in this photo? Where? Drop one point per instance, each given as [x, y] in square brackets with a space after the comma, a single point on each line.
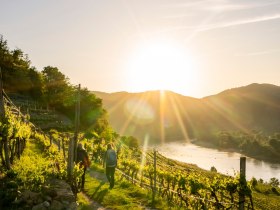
[253, 143]
[274, 182]
[56, 86]
[35, 167]
[51, 87]
[130, 141]
[213, 169]
[254, 182]
[198, 189]
[275, 144]
[32, 171]
[18, 76]
[124, 195]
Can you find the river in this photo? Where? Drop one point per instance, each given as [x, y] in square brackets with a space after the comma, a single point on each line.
[224, 162]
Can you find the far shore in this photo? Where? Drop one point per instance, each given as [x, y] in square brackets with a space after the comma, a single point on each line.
[261, 157]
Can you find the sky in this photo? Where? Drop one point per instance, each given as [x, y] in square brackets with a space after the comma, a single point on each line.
[193, 47]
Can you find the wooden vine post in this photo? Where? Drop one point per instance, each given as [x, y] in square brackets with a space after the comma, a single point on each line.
[155, 177]
[242, 182]
[72, 151]
[63, 145]
[2, 113]
[77, 123]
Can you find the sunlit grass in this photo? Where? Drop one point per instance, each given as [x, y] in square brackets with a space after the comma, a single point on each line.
[265, 202]
[33, 168]
[124, 195]
[84, 202]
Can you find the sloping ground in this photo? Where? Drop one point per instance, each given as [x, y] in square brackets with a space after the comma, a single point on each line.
[123, 196]
[40, 115]
[87, 204]
[21, 189]
[271, 202]
[49, 119]
[171, 116]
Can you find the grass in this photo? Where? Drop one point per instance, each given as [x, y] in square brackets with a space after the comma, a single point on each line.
[84, 202]
[32, 168]
[261, 201]
[265, 197]
[124, 195]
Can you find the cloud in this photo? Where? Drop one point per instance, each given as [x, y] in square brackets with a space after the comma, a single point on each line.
[221, 5]
[207, 27]
[177, 16]
[226, 6]
[258, 53]
[186, 4]
[238, 22]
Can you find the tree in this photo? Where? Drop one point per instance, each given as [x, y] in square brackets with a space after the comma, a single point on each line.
[131, 141]
[254, 182]
[275, 144]
[56, 86]
[36, 78]
[15, 68]
[213, 169]
[274, 182]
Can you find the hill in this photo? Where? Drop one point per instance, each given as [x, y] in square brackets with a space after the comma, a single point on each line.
[252, 107]
[255, 106]
[236, 118]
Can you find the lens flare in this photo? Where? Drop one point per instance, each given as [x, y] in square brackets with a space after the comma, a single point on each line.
[140, 111]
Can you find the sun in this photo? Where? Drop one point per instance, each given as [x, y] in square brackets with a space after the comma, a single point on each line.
[161, 66]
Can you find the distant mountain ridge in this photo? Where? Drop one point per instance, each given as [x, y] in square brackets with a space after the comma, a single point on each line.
[168, 116]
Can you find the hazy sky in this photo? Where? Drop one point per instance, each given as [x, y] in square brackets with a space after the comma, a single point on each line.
[193, 47]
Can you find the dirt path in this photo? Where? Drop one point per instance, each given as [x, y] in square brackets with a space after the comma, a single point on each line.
[93, 204]
[98, 175]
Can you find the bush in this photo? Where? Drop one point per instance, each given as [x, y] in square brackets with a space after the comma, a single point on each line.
[254, 182]
[274, 182]
[213, 169]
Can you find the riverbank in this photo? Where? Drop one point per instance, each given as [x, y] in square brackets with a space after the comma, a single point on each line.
[226, 162]
[261, 157]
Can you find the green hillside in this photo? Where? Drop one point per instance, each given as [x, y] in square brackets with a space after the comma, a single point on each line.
[253, 107]
[245, 118]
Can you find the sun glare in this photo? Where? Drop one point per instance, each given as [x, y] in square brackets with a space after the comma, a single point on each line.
[161, 66]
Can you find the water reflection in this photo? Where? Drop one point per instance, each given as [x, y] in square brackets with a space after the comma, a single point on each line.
[230, 154]
[224, 162]
[257, 162]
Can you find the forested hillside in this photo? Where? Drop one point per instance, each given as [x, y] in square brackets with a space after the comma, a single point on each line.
[246, 119]
[253, 107]
[48, 88]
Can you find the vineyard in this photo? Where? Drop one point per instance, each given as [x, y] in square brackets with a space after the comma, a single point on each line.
[181, 185]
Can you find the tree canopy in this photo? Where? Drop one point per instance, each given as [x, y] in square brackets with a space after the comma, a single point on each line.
[49, 86]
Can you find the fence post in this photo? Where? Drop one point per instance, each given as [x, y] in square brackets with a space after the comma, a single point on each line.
[242, 182]
[72, 151]
[77, 122]
[2, 108]
[155, 176]
[51, 140]
[70, 164]
[63, 146]
[2, 113]
[59, 142]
